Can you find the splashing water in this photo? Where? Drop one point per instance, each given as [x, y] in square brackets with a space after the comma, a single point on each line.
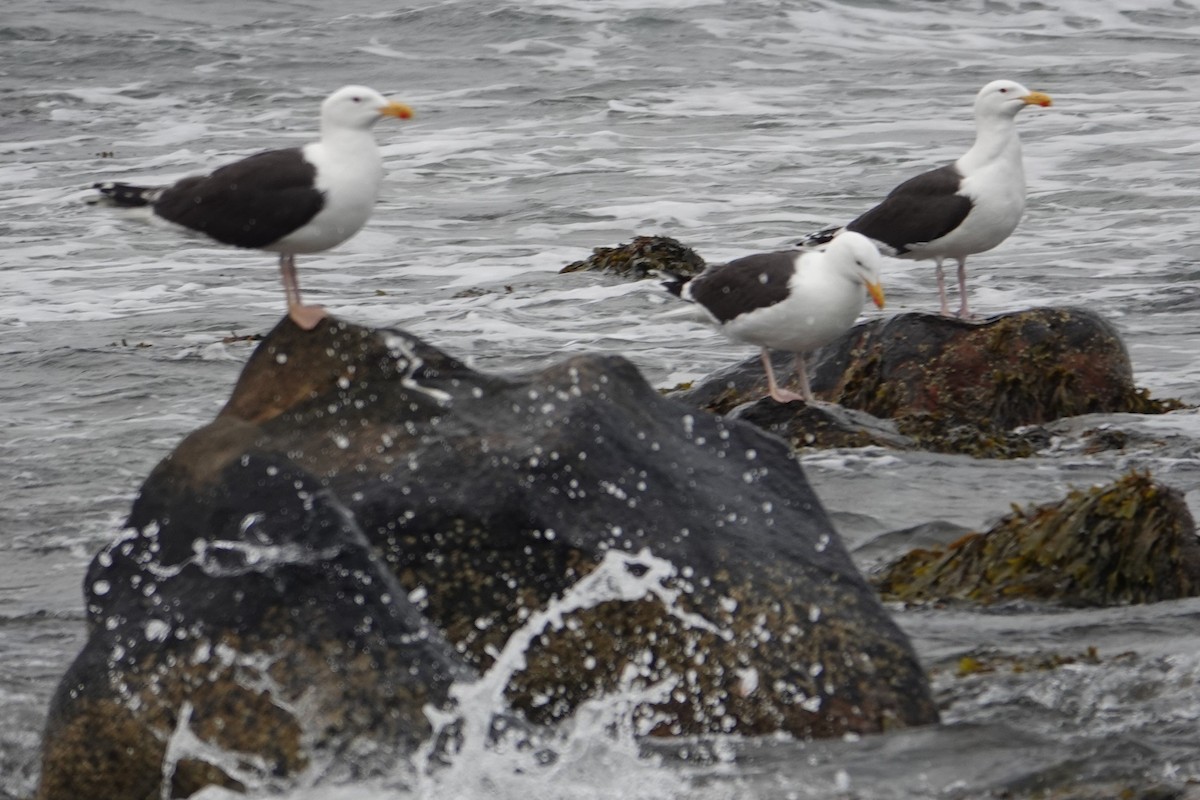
[478, 750]
[595, 746]
[546, 129]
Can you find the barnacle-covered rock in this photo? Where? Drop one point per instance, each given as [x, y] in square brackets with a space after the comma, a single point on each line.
[270, 605]
[241, 632]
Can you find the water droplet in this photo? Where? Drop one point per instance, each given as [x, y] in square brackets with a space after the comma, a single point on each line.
[156, 630]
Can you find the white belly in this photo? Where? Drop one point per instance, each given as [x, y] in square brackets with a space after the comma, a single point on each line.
[998, 197]
[805, 321]
[350, 181]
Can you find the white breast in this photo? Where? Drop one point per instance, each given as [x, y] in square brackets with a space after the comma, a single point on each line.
[997, 193]
[349, 174]
[819, 308]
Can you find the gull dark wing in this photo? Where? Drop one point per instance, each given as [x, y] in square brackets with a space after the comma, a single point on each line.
[744, 284]
[921, 209]
[249, 203]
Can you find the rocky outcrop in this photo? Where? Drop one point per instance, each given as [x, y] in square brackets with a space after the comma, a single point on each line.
[258, 605]
[962, 385]
[241, 632]
[1132, 541]
[644, 256]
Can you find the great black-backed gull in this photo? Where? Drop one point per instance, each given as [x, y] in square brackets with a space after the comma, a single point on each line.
[795, 301]
[962, 208]
[299, 200]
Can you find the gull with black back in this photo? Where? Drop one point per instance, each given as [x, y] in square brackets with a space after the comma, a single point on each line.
[962, 208]
[795, 301]
[291, 201]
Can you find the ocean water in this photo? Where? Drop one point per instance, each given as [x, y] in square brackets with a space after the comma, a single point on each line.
[545, 128]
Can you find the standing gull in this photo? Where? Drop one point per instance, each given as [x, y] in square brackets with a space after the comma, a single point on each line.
[795, 301]
[299, 200]
[962, 208]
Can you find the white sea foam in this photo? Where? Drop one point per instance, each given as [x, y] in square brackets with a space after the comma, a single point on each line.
[545, 129]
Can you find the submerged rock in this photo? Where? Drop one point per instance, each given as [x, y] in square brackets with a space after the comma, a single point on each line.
[642, 257]
[635, 545]
[822, 425]
[1132, 541]
[962, 386]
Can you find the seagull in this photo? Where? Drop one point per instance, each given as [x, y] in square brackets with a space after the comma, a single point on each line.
[794, 300]
[297, 200]
[962, 208]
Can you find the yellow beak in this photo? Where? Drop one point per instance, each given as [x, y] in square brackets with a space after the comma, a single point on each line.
[876, 292]
[1037, 99]
[397, 110]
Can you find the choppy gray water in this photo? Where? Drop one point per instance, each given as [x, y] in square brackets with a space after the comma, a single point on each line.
[548, 127]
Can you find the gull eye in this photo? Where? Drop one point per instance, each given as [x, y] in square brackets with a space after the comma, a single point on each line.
[1004, 90]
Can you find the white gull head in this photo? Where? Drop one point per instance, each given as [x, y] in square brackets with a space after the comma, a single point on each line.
[358, 108]
[1006, 98]
[856, 257]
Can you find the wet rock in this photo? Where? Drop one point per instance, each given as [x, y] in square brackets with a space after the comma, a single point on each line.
[962, 386]
[1120, 790]
[1132, 541]
[241, 632]
[642, 257]
[822, 425]
[890, 545]
[1021, 368]
[984, 661]
[1171, 435]
[637, 545]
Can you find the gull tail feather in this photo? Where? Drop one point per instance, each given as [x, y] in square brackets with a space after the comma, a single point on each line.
[815, 241]
[127, 195]
[675, 283]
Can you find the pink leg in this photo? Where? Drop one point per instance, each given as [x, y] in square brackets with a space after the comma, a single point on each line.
[801, 368]
[963, 313]
[941, 281]
[774, 391]
[307, 317]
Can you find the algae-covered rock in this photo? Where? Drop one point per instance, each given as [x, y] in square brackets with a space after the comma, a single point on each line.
[1022, 368]
[961, 385]
[1121, 790]
[643, 256]
[1132, 541]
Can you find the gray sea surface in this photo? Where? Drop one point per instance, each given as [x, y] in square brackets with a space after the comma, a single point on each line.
[546, 128]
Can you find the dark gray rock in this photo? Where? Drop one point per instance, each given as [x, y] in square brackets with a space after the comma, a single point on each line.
[891, 545]
[247, 610]
[714, 573]
[821, 425]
